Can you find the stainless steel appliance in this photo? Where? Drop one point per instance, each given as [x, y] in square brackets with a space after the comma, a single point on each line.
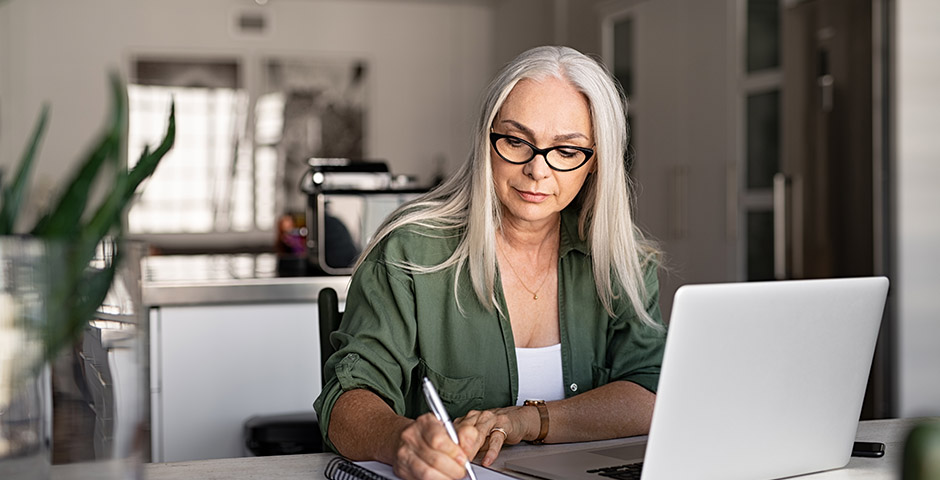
[347, 201]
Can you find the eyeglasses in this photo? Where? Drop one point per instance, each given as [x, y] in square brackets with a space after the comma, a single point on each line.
[562, 158]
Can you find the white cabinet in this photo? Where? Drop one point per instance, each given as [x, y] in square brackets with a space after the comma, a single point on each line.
[213, 366]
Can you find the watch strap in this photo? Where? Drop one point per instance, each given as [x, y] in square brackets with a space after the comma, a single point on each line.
[543, 419]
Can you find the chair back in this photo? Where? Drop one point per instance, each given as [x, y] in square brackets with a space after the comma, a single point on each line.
[330, 317]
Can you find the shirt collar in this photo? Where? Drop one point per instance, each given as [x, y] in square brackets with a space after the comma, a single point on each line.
[570, 240]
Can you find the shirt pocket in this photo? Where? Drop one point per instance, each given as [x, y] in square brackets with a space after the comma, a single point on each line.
[459, 394]
[601, 375]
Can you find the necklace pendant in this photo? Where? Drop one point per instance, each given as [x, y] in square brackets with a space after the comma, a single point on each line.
[535, 296]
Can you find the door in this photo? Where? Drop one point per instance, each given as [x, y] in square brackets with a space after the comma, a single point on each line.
[824, 199]
[827, 176]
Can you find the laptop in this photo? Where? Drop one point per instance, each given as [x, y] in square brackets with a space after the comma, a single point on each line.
[759, 380]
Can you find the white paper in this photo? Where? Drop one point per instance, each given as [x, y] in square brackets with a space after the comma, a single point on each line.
[386, 471]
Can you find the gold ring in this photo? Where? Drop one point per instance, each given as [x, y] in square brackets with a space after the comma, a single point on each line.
[500, 430]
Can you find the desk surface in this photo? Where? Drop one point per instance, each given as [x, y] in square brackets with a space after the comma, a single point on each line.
[891, 432]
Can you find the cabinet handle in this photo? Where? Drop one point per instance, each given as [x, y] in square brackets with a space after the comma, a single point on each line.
[826, 87]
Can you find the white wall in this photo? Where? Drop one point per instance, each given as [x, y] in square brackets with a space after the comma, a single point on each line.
[918, 203]
[428, 63]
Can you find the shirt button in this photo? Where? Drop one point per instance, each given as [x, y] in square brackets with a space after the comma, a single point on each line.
[574, 387]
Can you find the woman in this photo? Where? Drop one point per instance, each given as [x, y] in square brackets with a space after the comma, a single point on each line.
[522, 277]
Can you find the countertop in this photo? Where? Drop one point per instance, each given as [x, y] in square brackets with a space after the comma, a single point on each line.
[175, 280]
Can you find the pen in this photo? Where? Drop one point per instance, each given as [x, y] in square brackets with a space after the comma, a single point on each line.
[434, 402]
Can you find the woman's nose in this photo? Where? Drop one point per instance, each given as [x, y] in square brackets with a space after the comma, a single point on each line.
[537, 168]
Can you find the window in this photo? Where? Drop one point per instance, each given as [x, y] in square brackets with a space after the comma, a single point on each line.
[204, 184]
[240, 149]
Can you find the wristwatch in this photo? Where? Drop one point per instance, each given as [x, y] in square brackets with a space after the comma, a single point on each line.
[543, 419]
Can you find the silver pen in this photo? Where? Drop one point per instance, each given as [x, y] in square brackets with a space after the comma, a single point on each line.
[434, 402]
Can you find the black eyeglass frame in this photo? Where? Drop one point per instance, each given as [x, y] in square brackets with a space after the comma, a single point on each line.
[588, 152]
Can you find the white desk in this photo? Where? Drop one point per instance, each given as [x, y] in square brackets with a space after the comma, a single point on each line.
[891, 432]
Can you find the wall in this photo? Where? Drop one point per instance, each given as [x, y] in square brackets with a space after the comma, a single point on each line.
[428, 63]
[523, 24]
[583, 25]
[682, 116]
[520, 25]
[917, 170]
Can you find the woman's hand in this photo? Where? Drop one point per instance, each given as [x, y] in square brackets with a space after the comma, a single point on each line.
[427, 452]
[498, 427]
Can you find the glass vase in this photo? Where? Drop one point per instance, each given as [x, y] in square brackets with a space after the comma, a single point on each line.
[100, 384]
[27, 268]
[71, 393]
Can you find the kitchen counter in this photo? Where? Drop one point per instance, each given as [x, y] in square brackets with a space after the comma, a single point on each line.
[231, 319]
[176, 280]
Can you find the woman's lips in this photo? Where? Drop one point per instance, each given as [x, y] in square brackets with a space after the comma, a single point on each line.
[534, 197]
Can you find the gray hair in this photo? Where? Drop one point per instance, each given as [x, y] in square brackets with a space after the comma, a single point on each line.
[619, 250]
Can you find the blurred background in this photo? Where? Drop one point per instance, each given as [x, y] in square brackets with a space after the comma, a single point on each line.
[772, 139]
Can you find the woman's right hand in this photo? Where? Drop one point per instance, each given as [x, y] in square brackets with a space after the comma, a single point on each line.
[426, 451]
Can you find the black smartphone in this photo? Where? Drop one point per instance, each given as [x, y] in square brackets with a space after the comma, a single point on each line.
[868, 449]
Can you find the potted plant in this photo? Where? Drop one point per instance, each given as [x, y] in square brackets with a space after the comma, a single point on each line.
[49, 288]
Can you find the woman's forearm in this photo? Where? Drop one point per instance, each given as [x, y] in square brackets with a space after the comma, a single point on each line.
[618, 409]
[364, 427]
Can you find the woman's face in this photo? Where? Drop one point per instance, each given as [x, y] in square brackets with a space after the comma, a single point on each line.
[545, 113]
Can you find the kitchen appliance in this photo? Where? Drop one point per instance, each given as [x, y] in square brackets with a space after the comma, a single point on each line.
[347, 201]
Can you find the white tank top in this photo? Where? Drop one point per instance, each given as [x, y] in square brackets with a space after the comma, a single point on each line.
[540, 376]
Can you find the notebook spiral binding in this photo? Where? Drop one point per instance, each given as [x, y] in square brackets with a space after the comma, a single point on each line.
[341, 469]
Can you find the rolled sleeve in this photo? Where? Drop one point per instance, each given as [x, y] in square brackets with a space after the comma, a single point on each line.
[375, 342]
[635, 350]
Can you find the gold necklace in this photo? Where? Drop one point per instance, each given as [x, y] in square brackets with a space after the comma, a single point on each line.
[535, 293]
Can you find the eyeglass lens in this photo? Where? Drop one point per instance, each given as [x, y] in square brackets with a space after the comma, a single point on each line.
[559, 158]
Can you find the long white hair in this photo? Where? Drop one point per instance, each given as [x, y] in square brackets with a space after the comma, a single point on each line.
[466, 204]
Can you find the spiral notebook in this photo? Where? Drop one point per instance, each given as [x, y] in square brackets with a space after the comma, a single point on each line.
[342, 469]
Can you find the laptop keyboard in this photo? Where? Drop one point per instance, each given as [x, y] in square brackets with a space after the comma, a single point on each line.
[630, 471]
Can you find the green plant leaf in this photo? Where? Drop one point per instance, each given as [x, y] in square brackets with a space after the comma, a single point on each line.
[148, 163]
[111, 210]
[78, 292]
[64, 219]
[82, 297]
[110, 213]
[108, 216]
[13, 195]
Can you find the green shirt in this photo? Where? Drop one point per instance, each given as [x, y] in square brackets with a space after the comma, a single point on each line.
[400, 326]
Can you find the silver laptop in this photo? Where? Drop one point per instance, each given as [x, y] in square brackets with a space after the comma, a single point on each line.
[759, 381]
